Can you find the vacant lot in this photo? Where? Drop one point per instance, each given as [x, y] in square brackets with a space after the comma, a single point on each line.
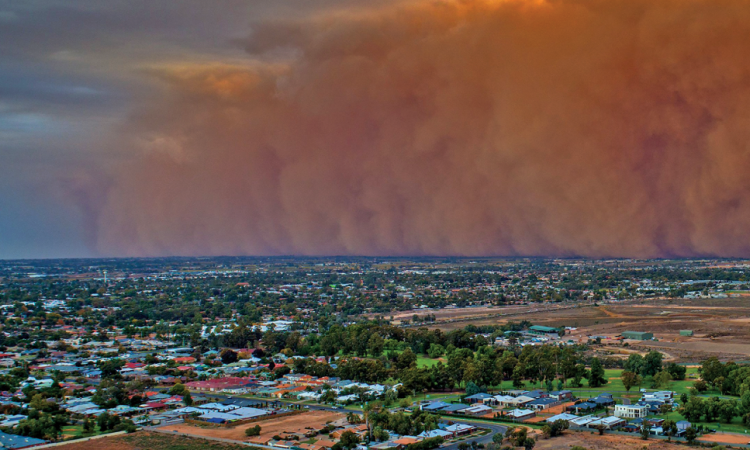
[608, 442]
[143, 440]
[721, 327]
[300, 423]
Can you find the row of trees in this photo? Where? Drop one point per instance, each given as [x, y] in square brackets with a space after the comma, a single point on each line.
[555, 367]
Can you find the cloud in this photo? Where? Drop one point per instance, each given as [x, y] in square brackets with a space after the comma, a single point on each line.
[561, 127]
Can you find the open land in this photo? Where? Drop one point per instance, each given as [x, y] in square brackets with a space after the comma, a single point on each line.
[301, 423]
[721, 327]
[151, 441]
[607, 442]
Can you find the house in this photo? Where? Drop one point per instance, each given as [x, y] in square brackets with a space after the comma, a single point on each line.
[655, 422]
[608, 423]
[631, 411]
[12, 441]
[520, 400]
[502, 400]
[460, 429]
[542, 403]
[477, 398]
[562, 396]
[405, 441]
[581, 422]
[683, 425]
[563, 416]
[582, 407]
[519, 415]
[537, 393]
[434, 406]
[435, 433]
[477, 410]
[660, 396]
[654, 406]
[602, 400]
[452, 409]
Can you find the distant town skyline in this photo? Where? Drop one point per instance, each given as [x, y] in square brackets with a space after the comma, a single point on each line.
[394, 127]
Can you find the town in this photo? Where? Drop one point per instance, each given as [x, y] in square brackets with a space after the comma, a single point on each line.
[344, 353]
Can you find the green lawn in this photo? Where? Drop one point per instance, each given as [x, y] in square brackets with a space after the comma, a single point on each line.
[423, 361]
[76, 431]
[735, 427]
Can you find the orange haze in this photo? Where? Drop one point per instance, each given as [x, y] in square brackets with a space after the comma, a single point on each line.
[560, 127]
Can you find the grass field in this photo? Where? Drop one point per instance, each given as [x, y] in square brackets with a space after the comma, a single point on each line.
[735, 427]
[423, 361]
[76, 431]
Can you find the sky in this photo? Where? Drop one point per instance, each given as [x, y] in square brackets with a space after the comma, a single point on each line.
[596, 128]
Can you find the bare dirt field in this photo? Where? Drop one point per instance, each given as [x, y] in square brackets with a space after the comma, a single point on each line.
[608, 442]
[725, 438]
[151, 441]
[721, 327]
[300, 423]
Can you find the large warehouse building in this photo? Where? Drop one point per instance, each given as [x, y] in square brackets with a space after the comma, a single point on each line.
[637, 335]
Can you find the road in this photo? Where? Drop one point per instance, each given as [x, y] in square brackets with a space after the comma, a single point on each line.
[486, 439]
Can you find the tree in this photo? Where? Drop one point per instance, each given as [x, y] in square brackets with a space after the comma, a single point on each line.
[711, 369]
[630, 379]
[88, 427]
[435, 350]
[472, 388]
[529, 443]
[38, 402]
[349, 439]
[558, 426]
[634, 363]
[253, 431]
[676, 371]
[187, 399]
[111, 368]
[379, 434]
[662, 379]
[652, 363]
[693, 409]
[228, 356]
[596, 377]
[406, 359]
[497, 438]
[645, 431]
[690, 435]
[700, 386]
[178, 389]
[670, 427]
[103, 421]
[727, 410]
[375, 345]
[518, 438]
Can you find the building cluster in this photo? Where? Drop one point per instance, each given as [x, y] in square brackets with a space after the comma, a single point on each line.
[538, 406]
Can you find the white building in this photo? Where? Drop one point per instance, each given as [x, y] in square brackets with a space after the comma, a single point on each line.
[631, 411]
